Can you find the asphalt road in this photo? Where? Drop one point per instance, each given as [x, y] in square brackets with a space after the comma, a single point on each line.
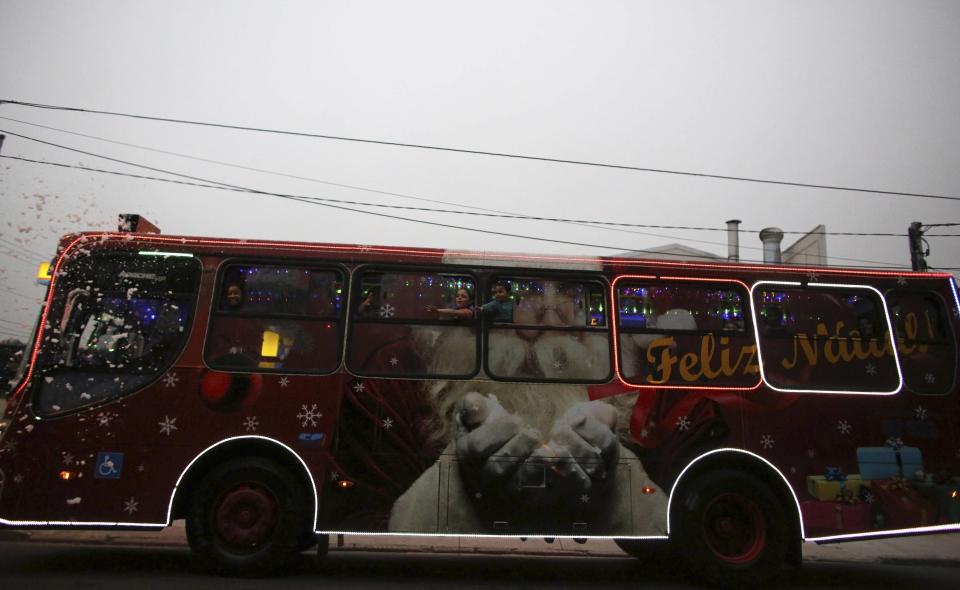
[62, 565]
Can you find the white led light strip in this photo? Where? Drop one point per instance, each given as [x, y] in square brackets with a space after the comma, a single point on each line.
[890, 335]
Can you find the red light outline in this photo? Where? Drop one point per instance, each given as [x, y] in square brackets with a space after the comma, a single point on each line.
[616, 337]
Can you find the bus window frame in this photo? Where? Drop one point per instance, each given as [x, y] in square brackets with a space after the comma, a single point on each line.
[707, 281]
[811, 285]
[302, 263]
[948, 327]
[354, 294]
[490, 278]
[41, 370]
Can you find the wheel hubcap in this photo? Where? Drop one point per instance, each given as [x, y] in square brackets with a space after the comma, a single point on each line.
[245, 516]
[735, 528]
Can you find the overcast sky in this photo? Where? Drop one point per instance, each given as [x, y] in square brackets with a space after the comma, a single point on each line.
[862, 94]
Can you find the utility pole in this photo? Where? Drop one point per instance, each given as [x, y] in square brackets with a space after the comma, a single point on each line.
[917, 251]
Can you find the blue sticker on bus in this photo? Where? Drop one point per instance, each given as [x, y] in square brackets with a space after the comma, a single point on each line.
[310, 438]
[109, 465]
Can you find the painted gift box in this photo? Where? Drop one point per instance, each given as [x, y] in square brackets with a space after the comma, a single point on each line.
[903, 506]
[944, 496]
[837, 516]
[822, 488]
[886, 462]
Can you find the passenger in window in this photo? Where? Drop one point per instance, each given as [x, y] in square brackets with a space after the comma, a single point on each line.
[462, 306]
[501, 308]
[865, 327]
[367, 307]
[234, 297]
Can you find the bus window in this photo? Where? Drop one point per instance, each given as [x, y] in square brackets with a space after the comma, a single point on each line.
[276, 318]
[122, 321]
[824, 339]
[927, 351]
[684, 333]
[557, 332]
[404, 324]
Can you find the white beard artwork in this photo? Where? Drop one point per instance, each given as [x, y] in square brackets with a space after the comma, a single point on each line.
[529, 458]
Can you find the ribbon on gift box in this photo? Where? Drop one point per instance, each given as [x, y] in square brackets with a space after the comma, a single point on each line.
[835, 474]
[897, 484]
[846, 497]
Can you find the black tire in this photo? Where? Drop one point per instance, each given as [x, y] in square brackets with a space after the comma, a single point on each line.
[731, 528]
[653, 553]
[248, 517]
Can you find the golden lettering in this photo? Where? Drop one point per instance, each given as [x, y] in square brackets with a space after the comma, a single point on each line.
[708, 345]
[810, 348]
[687, 363]
[667, 360]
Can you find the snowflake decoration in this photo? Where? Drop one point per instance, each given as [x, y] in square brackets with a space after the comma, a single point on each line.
[793, 469]
[170, 380]
[284, 381]
[131, 506]
[558, 365]
[67, 459]
[478, 496]
[334, 476]
[683, 423]
[813, 276]
[844, 427]
[388, 422]
[140, 468]
[168, 425]
[644, 433]
[930, 378]
[868, 496]
[308, 415]
[250, 423]
[584, 498]
[103, 419]
[894, 442]
[766, 441]
[18, 479]
[394, 361]
[387, 310]
[359, 387]
[921, 413]
[871, 369]
[901, 280]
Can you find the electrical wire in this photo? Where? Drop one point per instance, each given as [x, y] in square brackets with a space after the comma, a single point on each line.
[487, 212]
[310, 200]
[483, 152]
[325, 204]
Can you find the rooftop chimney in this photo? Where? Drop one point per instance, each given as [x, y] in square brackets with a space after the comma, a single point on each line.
[771, 237]
[733, 240]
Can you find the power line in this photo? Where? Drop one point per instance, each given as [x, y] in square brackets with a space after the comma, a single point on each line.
[318, 201]
[20, 249]
[18, 294]
[483, 152]
[488, 212]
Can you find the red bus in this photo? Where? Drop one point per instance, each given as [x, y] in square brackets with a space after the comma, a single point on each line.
[274, 393]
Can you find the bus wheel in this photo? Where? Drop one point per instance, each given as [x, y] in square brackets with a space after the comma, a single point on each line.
[732, 529]
[247, 517]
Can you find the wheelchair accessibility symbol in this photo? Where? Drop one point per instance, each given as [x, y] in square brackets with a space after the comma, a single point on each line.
[109, 465]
